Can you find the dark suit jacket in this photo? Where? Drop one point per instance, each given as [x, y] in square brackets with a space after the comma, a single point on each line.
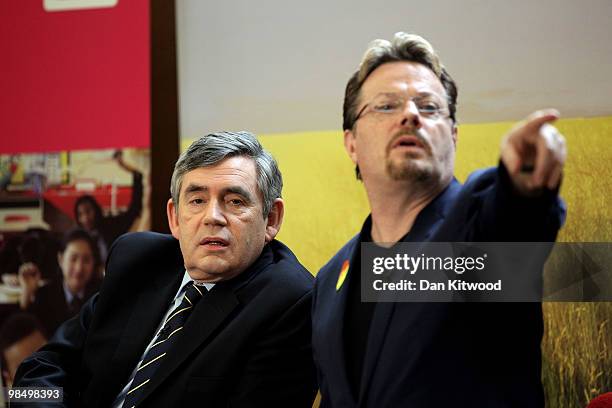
[443, 354]
[246, 343]
[50, 306]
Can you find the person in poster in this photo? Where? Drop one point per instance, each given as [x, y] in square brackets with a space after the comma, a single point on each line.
[60, 299]
[105, 229]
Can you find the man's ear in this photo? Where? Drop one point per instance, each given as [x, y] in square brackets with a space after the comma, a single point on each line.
[349, 145]
[455, 135]
[172, 213]
[275, 219]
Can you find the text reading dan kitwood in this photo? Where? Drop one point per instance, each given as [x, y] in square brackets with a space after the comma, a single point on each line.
[405, 263]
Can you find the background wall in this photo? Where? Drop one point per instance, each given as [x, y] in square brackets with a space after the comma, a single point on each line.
[74, 79]
[279, 66]
[326, 205]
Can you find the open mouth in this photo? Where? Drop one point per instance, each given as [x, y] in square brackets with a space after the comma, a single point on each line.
[408, 141]
[410, 144]
[214, 242]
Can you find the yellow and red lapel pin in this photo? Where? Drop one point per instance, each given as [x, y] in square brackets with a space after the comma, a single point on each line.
[342, 276]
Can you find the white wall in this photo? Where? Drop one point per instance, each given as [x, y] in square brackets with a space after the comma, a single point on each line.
[281, 66]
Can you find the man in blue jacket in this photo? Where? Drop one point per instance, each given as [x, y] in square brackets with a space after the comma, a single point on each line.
[400, 131]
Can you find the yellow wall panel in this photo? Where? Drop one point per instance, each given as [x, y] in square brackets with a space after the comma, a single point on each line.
[326, 205]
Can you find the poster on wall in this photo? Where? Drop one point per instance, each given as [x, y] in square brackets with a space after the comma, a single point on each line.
[74, 157]
[59, 215]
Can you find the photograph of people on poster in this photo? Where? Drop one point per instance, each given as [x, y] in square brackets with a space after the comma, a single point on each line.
[59, 215]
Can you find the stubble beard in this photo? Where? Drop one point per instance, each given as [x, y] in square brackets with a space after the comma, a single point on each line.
[412, 166]
[410, 169]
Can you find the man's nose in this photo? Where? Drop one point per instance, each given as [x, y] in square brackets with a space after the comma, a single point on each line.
[214, 213]
[410, 116]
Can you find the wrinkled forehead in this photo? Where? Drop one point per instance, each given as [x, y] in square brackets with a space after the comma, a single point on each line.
[404, 77]
[235, 171]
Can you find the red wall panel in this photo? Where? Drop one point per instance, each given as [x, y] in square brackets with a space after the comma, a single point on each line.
[74, 79]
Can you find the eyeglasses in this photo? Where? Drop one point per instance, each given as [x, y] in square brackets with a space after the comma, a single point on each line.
[429, 106]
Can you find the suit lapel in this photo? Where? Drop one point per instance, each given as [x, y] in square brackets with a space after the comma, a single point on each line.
[337, 353]
[209, 314]
[142, 323]
[376, 336]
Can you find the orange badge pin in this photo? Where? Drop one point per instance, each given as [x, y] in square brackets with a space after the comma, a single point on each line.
[342, 276]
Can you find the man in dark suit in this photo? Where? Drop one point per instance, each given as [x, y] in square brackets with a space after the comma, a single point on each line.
[400, 131]
[218, 315]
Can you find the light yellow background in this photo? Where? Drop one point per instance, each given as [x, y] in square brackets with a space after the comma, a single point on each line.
[326, 205]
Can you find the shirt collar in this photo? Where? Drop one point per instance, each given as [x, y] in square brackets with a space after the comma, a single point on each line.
[426, 220]
[187, 279]
[68, 294]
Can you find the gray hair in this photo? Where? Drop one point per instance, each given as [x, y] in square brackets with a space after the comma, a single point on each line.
[216, 147]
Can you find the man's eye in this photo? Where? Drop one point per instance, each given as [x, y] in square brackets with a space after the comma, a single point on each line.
[197, 201]
[428, 107]
[386, 106]
[236, 202]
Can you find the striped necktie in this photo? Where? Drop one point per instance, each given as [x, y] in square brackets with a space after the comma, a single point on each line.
[167, 335]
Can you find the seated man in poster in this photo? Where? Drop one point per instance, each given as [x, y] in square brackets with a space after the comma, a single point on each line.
[218, 314]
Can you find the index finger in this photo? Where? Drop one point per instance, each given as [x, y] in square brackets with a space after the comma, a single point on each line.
[539, 118]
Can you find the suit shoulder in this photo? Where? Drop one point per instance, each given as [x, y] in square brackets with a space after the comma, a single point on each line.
[145, 242]
[481, 178]
[288, 269]
[151, 239]
[273, 289]
[283, 280]
[139, 251]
